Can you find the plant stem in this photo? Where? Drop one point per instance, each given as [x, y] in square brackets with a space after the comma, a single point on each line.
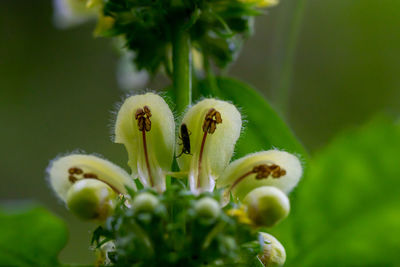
[210, 77]
[181, 60]
[285, 79]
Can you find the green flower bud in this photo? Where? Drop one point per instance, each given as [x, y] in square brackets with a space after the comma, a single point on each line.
[267, 168]
[145, 202]
[273, 254]
[266, 206]
[91, 199]
[145, 126]
[207, 208]
[214, 127]
[65, 171]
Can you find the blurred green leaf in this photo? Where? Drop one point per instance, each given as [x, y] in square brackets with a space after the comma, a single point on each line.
[264, 129]
[347, 210]
[30, 237]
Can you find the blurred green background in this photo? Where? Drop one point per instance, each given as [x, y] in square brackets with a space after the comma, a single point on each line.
[58, 87]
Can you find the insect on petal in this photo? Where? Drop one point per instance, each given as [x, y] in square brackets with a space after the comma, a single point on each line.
[214, 127]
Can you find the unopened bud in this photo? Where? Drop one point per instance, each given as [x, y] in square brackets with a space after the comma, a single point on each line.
[267, 205]
[91, 199]
[273, 254]
[207, 208]
[145, 202]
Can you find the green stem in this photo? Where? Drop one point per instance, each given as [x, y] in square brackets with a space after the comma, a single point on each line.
[210, 77]
[181, 60]
[285, 79]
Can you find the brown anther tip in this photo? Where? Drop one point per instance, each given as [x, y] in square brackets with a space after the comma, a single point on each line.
[90, 175]
[75, 170]
[264, 171]
[72, 179]
[218, 118]
[142, 116]
[139, 113]
[147, 111]
[212, 118]
[277, 171]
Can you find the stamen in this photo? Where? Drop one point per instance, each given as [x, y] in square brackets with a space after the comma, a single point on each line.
[212, 118]
[144, 124]
[262, 172]
[79, 172]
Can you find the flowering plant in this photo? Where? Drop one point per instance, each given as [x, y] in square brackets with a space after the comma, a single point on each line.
[214, 177]
[189, 205]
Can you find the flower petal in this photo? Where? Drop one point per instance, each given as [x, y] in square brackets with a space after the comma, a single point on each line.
[267, 168]
[65, 171]
[145, 126]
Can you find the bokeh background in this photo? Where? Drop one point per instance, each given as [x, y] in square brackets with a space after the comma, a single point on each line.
[58, 87]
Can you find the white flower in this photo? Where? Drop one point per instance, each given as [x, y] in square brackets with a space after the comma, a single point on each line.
[145, 126]
[214, 127]
[267, 168]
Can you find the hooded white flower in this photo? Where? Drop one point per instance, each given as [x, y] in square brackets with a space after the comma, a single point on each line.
[267, 168]
[213, 127]
[145, 126]
[63, 172]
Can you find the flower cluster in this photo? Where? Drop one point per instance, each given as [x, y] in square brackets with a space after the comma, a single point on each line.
[148, 28]
[145, 125]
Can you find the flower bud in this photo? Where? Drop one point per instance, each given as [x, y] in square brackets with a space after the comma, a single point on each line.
[91, 199]
[65, 171]
[145, 126]
[266, 206]
[207, 208]
[214, 127]
[145, 202]
[273, 254]
[267, 168]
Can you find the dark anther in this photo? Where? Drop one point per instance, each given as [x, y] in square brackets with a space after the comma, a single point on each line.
[264, 171]
[213, 117]
[75, 170]
[143, 118]
[72, 179]
[90, 175]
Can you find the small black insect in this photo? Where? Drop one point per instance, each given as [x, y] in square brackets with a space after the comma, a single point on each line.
[184, 136]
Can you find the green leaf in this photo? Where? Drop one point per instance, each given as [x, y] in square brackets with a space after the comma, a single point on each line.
[30, 237]
[264, 128]
[347, 210]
